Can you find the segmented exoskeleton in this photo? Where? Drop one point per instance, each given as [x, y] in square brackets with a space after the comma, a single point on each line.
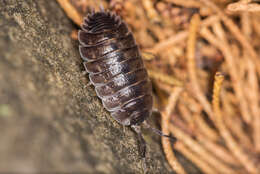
[115, 68]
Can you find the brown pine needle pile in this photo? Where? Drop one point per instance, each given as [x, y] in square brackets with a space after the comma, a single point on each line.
[185, 45]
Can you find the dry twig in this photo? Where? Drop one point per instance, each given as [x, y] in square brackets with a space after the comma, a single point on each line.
[195, 21]
[198, 149]
[223, 46]
[182, 35]
[71, 11]
[195, 158]
[243, 5]
[231, 143]
[165, 124]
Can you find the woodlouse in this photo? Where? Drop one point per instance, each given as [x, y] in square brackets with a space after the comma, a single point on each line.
[116, 69]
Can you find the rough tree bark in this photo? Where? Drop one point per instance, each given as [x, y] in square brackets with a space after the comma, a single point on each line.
[49, 120]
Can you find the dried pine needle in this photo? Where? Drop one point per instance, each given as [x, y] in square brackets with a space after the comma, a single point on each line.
[195, 158]
[253, 97]
[237, 83]
[177, 38]
[219, 151]
[191, 45]
[234, 29]
[164, 78]
[176, 166]
[189, 4]
[71, 11]
[231, 143]
[197, 148]
[151, 12]
[203, 127]
[243, 6]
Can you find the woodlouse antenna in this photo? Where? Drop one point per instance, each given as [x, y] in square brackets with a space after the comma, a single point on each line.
[92, 11]
[101, 7]
[158, 132]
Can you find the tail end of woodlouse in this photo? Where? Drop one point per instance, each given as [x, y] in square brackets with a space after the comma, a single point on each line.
[142, 143]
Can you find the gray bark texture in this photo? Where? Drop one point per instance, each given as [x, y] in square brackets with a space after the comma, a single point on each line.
[50, 122]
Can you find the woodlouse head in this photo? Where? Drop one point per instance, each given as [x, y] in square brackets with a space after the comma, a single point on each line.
[101, 21]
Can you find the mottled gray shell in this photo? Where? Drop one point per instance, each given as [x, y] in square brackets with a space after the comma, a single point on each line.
[115, 67]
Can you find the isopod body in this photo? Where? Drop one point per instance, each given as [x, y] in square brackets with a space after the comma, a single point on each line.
[115, 67]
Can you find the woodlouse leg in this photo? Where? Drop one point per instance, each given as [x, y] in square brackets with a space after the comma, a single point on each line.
[155, 110]
[84, 73]
[142, 145]
[124, 128]
[88, 84]
[101, 7]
